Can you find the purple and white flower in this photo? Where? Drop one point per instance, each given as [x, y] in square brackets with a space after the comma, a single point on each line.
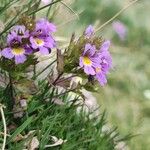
[41, 39]
[15, 48]
[89, 59]
[43, 44]
[21, 42]
[97, 62]
[17, 53]
[44, 27]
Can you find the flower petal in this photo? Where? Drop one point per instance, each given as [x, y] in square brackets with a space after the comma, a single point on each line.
[101, 77]
[49, 42]
[89, 70]
[89, 31]
[89, 50]
[81, 62]
[120, 29]
[19, 59]
[7, 53]
[105, 46]
[96, 62]
[33, 44]
[28, 50]
[44, 50]
[45, 27]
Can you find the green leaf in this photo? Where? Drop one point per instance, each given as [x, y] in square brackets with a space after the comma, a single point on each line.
[20, 129]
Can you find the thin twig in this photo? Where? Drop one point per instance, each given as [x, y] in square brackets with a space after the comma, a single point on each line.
[62, 80]
[54, 83]
[61, 94]
[11, 88]
[4, 124]
[2, 133]
[35, 76]
[116, 15]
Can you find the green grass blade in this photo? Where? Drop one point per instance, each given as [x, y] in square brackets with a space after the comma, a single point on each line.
[7, 6]
[33, 12]
[20, 129]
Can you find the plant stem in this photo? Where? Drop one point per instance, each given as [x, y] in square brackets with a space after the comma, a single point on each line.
[62, 80]
[57, 78]
[43, 7]
[34, 70]
[11, 89]
[47, 15]
[35, 76]
[4, 124]
[116, 15]
[61, 94]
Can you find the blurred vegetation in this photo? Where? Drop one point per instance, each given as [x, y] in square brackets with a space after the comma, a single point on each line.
[45, 119]
[126, 97]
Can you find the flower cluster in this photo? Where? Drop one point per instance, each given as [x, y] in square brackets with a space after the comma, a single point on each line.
[21, 42]
[96, 62]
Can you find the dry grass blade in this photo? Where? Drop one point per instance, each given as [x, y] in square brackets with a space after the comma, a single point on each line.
[4, 124]
[116, 15]
[70, 9]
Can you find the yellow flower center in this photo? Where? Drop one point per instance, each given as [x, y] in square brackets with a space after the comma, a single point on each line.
[86, 61]
[18, 51]
[39, 41]
[98, 70]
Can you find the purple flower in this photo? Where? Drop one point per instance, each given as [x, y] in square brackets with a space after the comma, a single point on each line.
[89, 31]
[105, 63]
[44, 44]
[97, 62]
[15, 48]
[17, 34]
[44, 27]
[17, 53]
[120, 29]
[41, 39]
[101, 77]
[89, 60]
